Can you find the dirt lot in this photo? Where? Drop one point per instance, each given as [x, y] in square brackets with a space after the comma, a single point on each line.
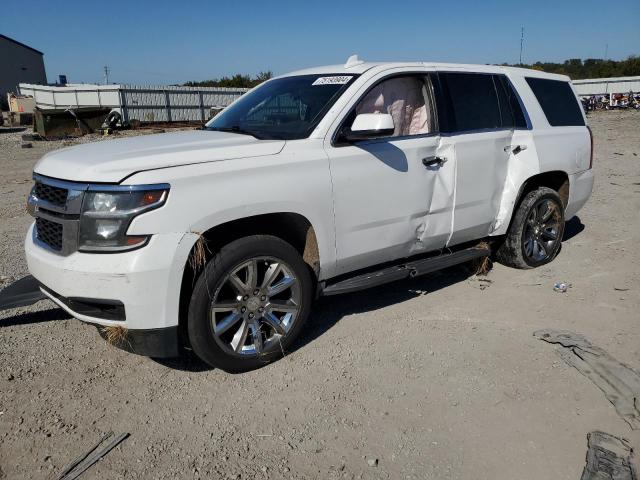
[438, 377]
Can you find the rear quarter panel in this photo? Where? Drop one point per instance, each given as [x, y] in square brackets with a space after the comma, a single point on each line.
[565, 149]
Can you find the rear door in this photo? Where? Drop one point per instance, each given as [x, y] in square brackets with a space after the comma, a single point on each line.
[479, 133]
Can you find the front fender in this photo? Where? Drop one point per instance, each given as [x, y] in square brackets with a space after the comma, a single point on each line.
[206, 195]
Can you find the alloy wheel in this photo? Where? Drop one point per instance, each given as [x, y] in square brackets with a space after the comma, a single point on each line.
[255, 306]
[542, 230]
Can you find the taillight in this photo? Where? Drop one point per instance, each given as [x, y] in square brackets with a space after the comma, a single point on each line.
[591, 152]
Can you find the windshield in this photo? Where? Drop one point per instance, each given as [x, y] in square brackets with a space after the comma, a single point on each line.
[286, 108]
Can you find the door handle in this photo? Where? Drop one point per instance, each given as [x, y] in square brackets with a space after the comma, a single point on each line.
[433, 161]
[515, 149]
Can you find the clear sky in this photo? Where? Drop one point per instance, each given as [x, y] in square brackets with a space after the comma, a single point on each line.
[162, 42]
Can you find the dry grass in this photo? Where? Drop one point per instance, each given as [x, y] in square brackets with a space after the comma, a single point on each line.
[115, 335]
[198, 257]
[482, 265]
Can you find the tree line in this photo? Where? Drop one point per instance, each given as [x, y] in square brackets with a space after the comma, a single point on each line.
[236, 81]
[577, 68]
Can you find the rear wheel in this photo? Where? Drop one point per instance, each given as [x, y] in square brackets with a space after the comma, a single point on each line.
[535, 235]
[249, 304]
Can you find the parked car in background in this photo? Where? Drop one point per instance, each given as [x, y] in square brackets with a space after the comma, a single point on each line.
[318, 182]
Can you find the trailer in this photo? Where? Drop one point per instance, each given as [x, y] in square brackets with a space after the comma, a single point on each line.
[145, 104]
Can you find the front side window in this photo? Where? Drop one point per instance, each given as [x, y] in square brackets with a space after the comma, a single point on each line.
[406, 99]
[558, 102]
[472, 102]
[286, 108]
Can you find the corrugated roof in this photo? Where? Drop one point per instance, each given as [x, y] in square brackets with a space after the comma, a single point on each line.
[607, 79]
[21, 44]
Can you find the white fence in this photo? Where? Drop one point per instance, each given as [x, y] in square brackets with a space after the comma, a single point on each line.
[144, 103]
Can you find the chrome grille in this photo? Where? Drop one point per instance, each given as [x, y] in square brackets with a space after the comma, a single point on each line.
[49, 233]
[48, 193]
[56, 205]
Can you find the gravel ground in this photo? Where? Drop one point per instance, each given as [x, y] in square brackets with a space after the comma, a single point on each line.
[439, 377]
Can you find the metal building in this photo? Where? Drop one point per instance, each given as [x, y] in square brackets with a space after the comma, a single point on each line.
[604, 86]
[18, 63]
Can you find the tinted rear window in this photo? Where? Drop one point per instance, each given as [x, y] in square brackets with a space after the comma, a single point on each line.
[558, 102]
[473, 101]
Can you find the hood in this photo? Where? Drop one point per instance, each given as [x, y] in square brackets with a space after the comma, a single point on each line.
[112, 160]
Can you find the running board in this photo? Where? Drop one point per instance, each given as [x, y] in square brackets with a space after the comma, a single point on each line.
[413, 268]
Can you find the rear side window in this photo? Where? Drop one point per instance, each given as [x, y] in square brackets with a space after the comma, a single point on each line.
[510, 109]
[558, 102]
[472, 100]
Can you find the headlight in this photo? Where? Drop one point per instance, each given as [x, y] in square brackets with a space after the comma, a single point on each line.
[106, 216]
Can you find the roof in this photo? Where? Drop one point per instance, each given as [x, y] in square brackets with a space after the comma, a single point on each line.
[361, 67]
[20, 44]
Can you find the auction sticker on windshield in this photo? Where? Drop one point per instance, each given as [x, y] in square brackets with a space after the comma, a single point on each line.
[332, 80]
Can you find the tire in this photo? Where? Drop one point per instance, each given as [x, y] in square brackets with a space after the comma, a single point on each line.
[535, 234]
[237, 320]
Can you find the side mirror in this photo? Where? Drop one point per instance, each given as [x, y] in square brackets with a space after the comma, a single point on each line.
[368, 126]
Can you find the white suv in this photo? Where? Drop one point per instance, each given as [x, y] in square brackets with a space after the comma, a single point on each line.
[322, 181]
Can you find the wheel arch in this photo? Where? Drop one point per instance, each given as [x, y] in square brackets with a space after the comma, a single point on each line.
[293, 228]
[557, 180]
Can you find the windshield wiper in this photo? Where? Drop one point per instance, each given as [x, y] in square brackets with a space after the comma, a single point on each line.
[236, 129]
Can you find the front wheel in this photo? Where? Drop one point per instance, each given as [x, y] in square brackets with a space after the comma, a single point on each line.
[535, 235]
[249, 304]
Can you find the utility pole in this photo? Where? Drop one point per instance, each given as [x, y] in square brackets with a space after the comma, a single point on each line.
[606, 50]
[521, 42]
[106, 75]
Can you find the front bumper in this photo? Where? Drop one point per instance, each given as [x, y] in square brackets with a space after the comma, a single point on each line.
[156, 343]
[145, 281]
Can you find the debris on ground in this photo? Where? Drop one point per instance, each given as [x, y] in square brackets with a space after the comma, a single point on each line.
[83, 462]
[372, 462]
[560, 287]
[608, 457]
[620, 383]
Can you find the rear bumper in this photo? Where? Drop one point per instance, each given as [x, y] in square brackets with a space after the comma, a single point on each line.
[580, 187]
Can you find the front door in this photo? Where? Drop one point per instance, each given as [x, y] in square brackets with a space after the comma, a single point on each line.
[388, 203]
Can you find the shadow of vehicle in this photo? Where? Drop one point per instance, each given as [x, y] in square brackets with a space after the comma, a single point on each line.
[328, 311]
[572, 228]
[186, 362]
[12, 129]
[35, 317]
